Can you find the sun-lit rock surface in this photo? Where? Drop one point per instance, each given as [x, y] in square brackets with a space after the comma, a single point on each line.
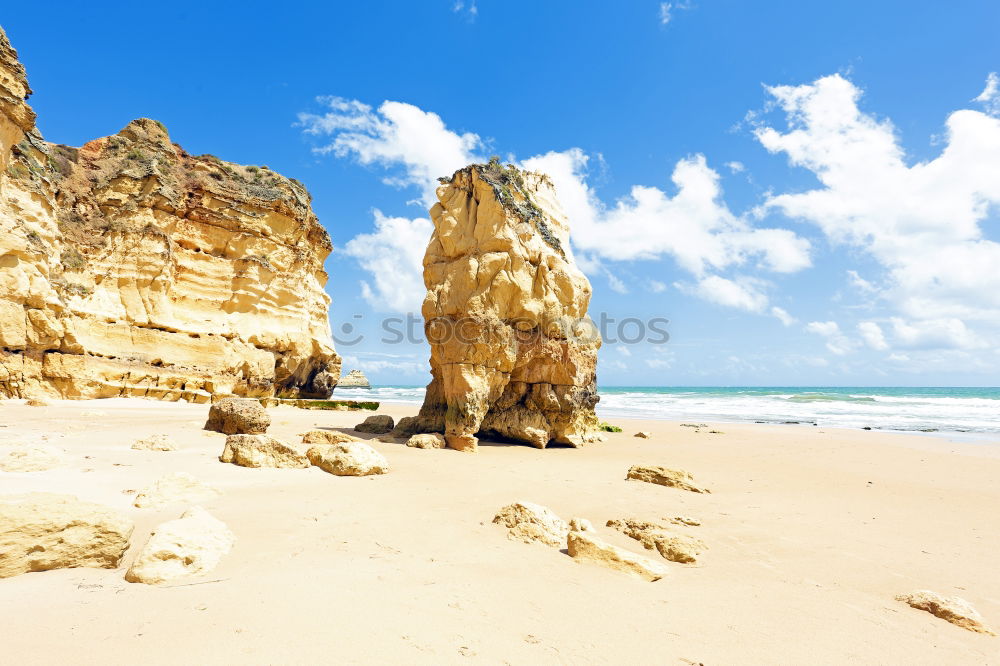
[529, 522]
[354, 379]
[188, 546]
[513, 353]
[130, 268]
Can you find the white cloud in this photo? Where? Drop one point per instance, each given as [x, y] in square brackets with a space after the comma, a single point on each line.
[783, 316]
[657, 287]
[860, 283]
[624, 351]
[923, 222]
[743, 294]
[735, 167]
[615, 283]
[872, 334]
[836, 341]
[990, 97]
[470, 9]
[695, 227]
[397, 134]
[393, 254]
[667, 9]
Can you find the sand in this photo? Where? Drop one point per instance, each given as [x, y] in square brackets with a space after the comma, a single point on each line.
[812, 532]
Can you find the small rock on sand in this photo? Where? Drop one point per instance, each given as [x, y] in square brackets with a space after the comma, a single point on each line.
[173, 489]
[43, 531]
[238, 416]
[528, 522]
[261, 451]
[327, 437]
[663, 476]
[427, 440]
[29, 457]
[956, 610]
[584, 546]
[670, 545]
[581, 525]
[187, 546]
[348, 459]
[377, 424]
[154, 443]
[38, 402]
[642, 434]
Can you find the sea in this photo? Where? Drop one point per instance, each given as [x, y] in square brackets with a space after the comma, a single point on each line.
[960, 413]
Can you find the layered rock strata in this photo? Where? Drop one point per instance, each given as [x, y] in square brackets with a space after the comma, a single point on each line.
[129, 267]
[513, 353]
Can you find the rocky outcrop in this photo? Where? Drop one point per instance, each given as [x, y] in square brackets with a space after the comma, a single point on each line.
[668, 543]
[529, 522]
[327, 437]
[956, 610]
[664, 476]
[585, 547]
[129, 267]
[354, 379]
[42, 531]
[348, 459]
[513, 352]
[261, 451]
[238, 416]
[188, 546]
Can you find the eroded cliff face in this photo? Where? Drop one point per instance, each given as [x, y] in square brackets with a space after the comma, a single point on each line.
[130, 268]
[513, 353]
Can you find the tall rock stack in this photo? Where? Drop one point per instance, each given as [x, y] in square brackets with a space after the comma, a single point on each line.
[513, 353]
[130, 268]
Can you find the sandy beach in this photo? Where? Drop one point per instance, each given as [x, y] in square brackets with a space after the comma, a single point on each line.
[811, 533]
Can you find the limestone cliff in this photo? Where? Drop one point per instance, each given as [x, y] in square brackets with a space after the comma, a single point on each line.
[354, 379]
[130, 268]
[513, 353]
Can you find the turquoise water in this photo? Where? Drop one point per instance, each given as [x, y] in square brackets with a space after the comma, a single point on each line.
[968, 411]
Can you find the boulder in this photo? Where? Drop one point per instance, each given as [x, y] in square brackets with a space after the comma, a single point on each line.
[669, 544]
[327, 437]
[176, 488]
[529, 522]
[956, 610]
[377, 424]
[30, 457]
[154, 443]
[427, 440]
[405, 427]
[238, 416]
[348, 459]
[513, 352]
[642, 434]
[581, 525]
[662, 476]
[261, 451]
[187, 546]
[42, 531]
[585, 547]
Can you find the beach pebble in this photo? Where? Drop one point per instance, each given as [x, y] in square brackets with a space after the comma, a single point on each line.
[643, 434]
[261, 451]
[154, 443]
[956, 610]
[530, 522]
[43, 531]
[188, 546]
[663, 476]
[348, 459]
[584, 546]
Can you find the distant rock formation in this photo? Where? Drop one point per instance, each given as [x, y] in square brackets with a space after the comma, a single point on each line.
[513, 353]
[354, 379]
[130, 268]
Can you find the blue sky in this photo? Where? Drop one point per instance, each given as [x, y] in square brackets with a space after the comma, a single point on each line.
[809, 192]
